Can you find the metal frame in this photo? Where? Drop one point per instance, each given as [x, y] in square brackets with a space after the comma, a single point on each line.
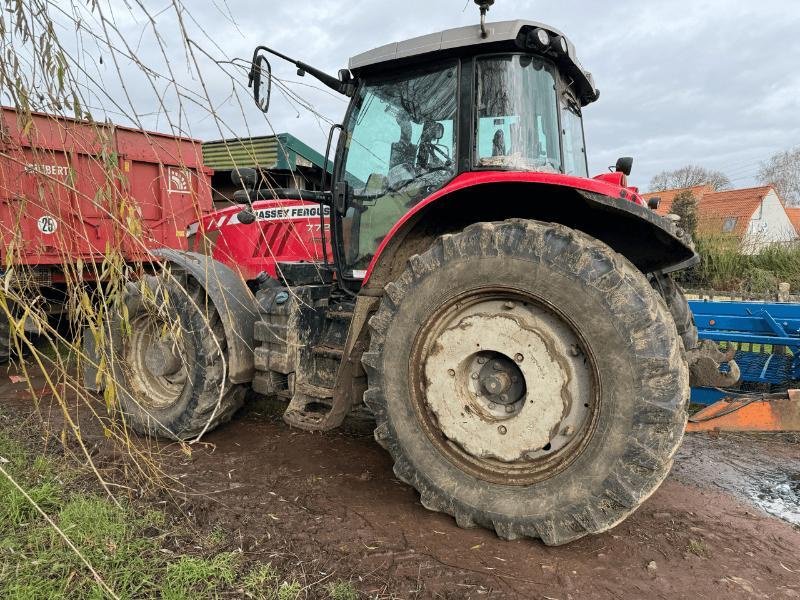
[764, 323]
[777, 324]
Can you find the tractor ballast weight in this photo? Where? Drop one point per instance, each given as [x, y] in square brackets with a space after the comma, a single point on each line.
[507, 321]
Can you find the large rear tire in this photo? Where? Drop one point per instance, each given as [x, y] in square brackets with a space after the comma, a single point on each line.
[169, 369]
[527, 378]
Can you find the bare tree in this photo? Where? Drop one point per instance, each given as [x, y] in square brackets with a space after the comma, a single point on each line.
[782, 170]
[689, 176]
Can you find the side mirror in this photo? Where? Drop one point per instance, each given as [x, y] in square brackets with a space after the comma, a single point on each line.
[261, 81]
[653, 202]
[624, 165]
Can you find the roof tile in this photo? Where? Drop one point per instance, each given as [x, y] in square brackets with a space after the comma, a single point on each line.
[668, 196]
[794, 217]
[715, 209]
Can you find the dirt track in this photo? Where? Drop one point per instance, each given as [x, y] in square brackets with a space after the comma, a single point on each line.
[328, 506]
[332, 500]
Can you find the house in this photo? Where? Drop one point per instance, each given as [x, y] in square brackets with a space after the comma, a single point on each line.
[755, 215]
[282, 160]
[794, 217]
[667, 197]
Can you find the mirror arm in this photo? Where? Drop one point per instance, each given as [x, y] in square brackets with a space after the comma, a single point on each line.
[329, 80]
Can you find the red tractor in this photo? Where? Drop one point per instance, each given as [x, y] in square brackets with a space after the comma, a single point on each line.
[507, 320]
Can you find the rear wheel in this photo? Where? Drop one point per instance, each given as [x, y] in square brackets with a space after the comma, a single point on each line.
[526, 378]
[170, 374]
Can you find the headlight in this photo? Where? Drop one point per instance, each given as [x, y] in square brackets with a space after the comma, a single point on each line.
[559, 44]
[538, 38]
[543, 37]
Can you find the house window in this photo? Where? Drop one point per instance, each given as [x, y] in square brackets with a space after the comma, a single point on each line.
[729, 224]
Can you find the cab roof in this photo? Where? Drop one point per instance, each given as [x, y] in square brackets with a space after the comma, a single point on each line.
[500, 35]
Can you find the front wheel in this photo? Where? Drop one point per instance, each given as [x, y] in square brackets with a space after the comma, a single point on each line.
[528, 379]
[169, 361]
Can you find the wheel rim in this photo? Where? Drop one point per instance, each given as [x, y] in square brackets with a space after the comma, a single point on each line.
[156, 359]
[504, 385]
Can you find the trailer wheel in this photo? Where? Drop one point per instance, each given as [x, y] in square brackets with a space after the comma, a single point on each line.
[527, 378]
[169, 368]
[5, 340]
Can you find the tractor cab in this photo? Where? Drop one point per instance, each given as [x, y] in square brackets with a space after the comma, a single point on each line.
[425, 110]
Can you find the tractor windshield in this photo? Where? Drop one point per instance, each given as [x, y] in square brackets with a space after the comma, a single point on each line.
[400, 148]
[517, 114]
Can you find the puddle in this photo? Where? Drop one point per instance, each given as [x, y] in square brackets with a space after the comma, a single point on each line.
[751, 469]
[780, 497]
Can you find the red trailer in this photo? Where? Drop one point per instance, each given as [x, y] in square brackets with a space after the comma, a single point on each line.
[71, 190]
[74, 192]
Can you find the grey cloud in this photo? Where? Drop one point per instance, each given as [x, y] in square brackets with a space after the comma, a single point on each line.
[682, 82]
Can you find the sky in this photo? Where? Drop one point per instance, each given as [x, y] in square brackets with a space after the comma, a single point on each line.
[708, 82]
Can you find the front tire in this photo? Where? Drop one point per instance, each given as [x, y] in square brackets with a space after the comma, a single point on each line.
[169, 368]
[679, 309]
[584, 351]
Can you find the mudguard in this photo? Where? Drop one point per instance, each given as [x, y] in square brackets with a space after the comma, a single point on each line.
[614, 214]
[233, 300]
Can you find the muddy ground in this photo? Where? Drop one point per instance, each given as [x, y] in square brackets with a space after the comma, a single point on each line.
[328, 506]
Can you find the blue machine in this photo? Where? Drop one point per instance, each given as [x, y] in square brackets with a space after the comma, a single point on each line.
[767, 338]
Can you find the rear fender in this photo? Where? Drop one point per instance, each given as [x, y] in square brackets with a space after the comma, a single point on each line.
[233, 300]
[651, 242]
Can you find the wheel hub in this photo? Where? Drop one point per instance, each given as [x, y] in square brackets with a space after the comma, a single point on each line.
[161, 358]
[504, 381]
[158, 371]
[500, 379]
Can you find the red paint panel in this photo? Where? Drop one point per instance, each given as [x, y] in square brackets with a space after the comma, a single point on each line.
[600, 185]
[286, 231]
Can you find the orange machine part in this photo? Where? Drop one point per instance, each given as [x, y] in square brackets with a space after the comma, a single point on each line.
[742, 414]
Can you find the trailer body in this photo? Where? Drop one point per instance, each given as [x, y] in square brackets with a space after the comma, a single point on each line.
[72, 190]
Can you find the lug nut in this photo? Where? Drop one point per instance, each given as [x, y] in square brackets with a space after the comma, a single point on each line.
[568, 430]
[492, 405]
[502, 429]
[481, 360]
[451, 372]
[574, 350]
[504, 397]
[474, 375]
[518, 357]
[497, 366]
[509, 408]
[508, 305]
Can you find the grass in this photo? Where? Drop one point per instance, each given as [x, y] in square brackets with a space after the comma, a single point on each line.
[724, 267]
[698, 548]
[125, 544]
[342, 590]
